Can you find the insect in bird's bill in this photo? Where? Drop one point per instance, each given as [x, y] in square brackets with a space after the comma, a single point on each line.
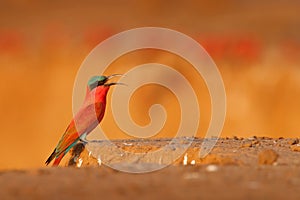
[87, 118]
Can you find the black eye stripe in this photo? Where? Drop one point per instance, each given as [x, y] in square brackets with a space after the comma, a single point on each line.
[100, 83]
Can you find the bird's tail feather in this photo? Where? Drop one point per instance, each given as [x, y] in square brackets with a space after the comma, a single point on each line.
[59, 155]
[58, 159]
[51, 157]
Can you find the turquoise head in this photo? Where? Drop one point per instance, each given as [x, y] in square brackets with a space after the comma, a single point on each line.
[96, 81]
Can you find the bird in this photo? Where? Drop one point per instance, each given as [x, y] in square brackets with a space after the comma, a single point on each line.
[86, 119]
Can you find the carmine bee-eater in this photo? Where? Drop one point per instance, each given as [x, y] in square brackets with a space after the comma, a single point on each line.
[86, 119]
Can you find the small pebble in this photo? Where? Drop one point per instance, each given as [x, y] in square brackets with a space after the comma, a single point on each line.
[295, 147]
[247, 144]
[185, 159]
[278, 145]
[252, 143]
[212, 168]
[293, 141]
[267, 157]
[255, 142]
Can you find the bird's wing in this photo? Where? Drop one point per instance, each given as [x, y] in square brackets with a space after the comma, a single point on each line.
[84, 122]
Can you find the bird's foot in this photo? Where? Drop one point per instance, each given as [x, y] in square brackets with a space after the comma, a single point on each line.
[83, 139]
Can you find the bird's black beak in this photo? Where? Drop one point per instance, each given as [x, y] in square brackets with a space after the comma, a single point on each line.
[113, 83]
[113, 75]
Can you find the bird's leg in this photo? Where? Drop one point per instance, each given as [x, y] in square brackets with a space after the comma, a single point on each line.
[83, 139]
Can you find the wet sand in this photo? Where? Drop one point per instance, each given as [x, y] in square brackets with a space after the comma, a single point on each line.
[251, 168]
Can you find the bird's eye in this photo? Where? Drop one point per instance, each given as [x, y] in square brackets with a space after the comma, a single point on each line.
[101, 82]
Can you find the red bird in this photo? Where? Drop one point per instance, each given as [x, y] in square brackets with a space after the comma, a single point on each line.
[86, 119]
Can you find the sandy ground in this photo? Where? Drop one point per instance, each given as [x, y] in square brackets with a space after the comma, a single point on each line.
[237, 168]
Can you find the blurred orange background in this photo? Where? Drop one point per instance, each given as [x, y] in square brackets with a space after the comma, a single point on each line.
[256, 47]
